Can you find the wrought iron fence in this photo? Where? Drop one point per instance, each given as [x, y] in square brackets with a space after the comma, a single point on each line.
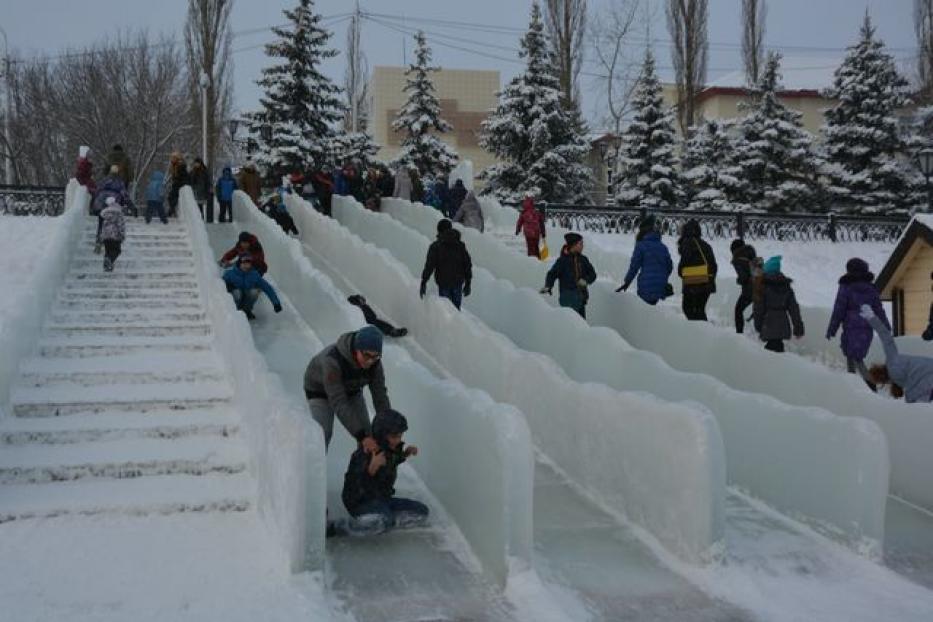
[32, 200]
[748, 225]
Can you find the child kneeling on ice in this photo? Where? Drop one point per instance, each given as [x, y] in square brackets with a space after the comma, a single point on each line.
[368, 486]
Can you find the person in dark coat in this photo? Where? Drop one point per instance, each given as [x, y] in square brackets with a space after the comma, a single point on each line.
[250, 182]
[155, 201]
[574, 274]
[450, 263]
[201, 185]
[696, 252]
[334, 381]
[417, 186]
[744, 260]
[226, 186]
[244, 284]
[856, 288]
[371, 318]
[369, 483]
[776, 310]
[652, 262]
[178, 177]
[84, 171]
[323, 183]
[118, 157]
[455, 198]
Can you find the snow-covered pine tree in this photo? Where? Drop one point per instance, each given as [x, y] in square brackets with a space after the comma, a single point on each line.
[300, 104]
[861, 135]
[359, 148]
[533, 137]
[420, 120]
[773, 152]
[710, 178]
[648, 160]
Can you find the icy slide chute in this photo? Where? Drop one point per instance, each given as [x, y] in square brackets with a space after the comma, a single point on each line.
[20, 330]
[840, 464]
[476, 454]
[286, 446]
[660, 464]
[743, 364]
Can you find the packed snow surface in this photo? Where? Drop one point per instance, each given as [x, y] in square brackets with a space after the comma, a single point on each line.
[30, 236]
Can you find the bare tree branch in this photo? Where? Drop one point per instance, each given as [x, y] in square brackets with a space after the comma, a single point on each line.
[566, 25]
[608, 36]
[923, 27]
[753, 33]
[687, 26]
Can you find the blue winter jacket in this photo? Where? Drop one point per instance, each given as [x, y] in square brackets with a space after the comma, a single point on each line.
[235, 278]
[651, 261]
[226, 185]
[154, 189]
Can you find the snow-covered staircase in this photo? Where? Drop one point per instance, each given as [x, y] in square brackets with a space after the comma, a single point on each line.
[126, 407]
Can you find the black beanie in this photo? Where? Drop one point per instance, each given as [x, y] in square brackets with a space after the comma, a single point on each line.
[572, 238]
[736, 245]
[444, 225]
[389, 422]
[245, 236]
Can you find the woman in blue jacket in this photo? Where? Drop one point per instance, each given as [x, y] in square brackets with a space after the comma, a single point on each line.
[651, 261]
[244, 284]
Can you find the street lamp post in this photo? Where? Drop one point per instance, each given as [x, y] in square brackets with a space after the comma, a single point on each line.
[204, 83]
[925, 162]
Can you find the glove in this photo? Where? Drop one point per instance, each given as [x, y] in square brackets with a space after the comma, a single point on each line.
[866, 312]
[277, 308]
[623, 287]
[582, 283]
[423, 289]
[466, 290]
[221, 263]
[545, 290]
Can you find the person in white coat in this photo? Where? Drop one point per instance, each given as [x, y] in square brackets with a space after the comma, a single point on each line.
[402, 185]
[470, 213]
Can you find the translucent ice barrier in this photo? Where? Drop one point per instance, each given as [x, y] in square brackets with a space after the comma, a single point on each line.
[20, 330]
[476, 454]
[743, 364]
[802, 460]
[659, 463]
[286, 446]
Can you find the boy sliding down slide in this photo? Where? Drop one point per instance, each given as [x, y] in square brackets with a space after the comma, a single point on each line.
[368, 486]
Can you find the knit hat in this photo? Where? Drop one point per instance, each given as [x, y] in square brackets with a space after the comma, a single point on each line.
[389, 422]
[444, 225]
[773, 265]
[857, 266]
[648, 223]
[736, 245]
[572, 238]
[245, 236]
[368, 339]
[83, 150]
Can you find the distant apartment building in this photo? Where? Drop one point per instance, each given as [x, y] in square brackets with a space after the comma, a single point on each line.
[466, 96]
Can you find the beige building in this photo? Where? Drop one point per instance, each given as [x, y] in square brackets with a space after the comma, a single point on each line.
[466, 96]
[907, 277]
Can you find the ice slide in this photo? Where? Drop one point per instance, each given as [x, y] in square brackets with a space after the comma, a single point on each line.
[758, 430]
[763, 552]
[737, 362]
[595, 567]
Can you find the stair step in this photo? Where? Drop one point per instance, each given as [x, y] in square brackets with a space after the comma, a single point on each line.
[71, 399]
[131, 305]
[161, 494]
[98, 379]
[127, 318]
[153, 242]
[111, 426]
[125, 273]
[123, 459]
[85, 346]
[129, 250]
[133, 265]
[120, 330]
[117, 294]
[103, 281]
[90, 239]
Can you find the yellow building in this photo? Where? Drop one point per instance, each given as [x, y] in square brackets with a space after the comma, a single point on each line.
[466, 96]
[907, 277]
[803, 81]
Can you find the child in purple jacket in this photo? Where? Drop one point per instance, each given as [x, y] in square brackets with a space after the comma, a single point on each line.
[856, 288]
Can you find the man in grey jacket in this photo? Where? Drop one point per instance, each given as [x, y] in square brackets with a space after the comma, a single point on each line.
[913, 374]
[334, 382]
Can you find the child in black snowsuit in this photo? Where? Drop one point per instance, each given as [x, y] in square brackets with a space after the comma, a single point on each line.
[368, 486]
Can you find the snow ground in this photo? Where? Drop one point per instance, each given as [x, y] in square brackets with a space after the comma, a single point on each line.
[815, 267]
[29, 235]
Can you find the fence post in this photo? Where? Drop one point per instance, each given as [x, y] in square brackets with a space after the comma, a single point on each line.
[740, 226]
[832, 227]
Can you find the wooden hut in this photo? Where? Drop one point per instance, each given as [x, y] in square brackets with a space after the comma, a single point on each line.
[907, 277]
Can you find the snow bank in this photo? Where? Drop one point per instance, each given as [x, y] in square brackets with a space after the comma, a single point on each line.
[25, 309]
[287, 448]
[839, 464]
[660, 464]
[476, 456]
[743, 364]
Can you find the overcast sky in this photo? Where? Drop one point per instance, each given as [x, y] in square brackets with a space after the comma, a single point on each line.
[484, 38]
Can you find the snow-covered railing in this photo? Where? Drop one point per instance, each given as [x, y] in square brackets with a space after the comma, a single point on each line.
[33, 200]
[660, 464]
[286, 446]
[742, 364]
[802, 460]
[20, 330]
[475, 455]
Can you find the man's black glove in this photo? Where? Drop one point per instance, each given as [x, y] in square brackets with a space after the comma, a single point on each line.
[466, 289]
[277, 308]
[623, 287]
[423, 289]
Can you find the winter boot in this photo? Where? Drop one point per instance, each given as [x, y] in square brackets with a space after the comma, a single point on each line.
[399, 332]
[249, 315]
[356, 299]
[108, 264]
[97, 248]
